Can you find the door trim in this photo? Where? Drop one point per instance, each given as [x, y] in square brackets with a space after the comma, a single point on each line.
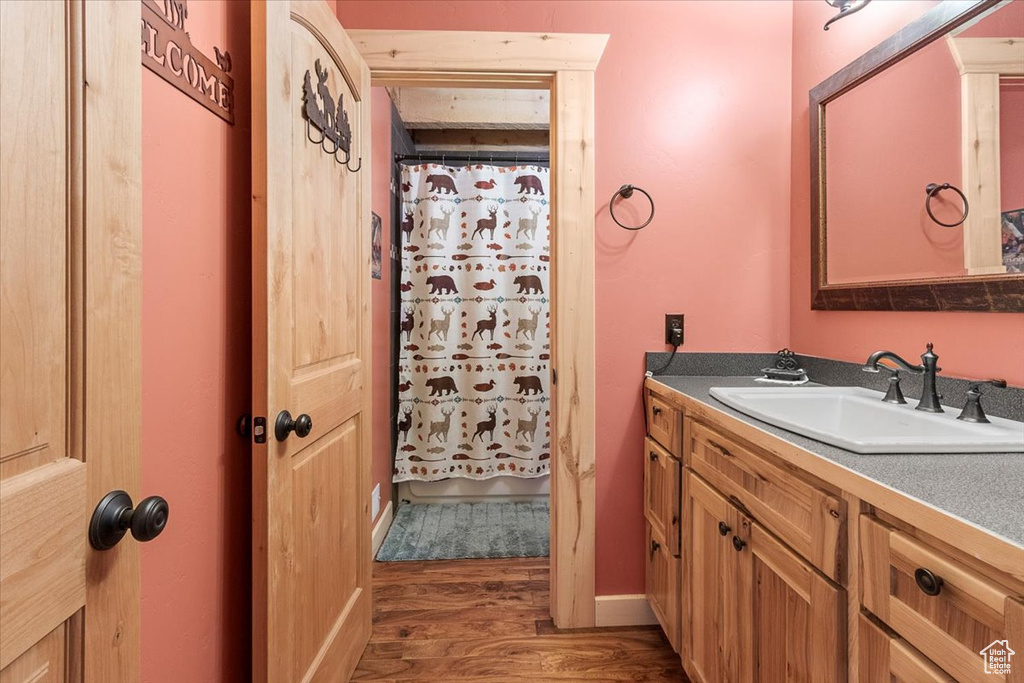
[565, 64]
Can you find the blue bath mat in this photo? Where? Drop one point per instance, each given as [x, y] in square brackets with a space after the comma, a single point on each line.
[467, 531]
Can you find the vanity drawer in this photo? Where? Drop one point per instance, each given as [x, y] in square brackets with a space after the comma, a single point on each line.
[665, 424]
[946, 610]
[885, 656]
[808, 519]
[662, 499]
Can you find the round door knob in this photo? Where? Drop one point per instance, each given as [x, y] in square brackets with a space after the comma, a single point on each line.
[114, 516]
[724, 528]
[302, 425]
[738, 543]
[928, 582]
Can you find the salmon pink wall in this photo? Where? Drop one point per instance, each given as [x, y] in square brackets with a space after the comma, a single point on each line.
[970, 344]
[381, 202]
[693, 105]
[195, 368]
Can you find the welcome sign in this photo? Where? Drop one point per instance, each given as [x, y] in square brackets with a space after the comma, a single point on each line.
[167, 51]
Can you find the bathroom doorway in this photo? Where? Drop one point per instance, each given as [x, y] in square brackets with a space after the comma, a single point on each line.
[471, 409]
[564, 64]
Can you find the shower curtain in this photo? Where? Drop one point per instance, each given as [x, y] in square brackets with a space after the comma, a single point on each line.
[475, 350]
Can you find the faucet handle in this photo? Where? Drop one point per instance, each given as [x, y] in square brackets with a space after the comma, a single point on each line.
[973, 412]
[894, 394]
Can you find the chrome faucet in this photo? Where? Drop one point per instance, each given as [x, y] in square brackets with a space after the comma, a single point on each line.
[928, 369]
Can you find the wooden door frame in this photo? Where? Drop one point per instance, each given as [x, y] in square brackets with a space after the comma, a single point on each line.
[565, 64]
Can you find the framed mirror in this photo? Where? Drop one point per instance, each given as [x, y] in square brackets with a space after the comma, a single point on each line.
[917, 167]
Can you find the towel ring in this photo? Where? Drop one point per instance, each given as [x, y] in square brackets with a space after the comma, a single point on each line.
[626, 191]
[932, 190]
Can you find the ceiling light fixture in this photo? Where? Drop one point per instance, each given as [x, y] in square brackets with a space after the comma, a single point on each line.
[846, 8]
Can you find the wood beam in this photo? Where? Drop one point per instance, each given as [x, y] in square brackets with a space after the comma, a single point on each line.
[473, 108]
[482, 140]
[482, 50]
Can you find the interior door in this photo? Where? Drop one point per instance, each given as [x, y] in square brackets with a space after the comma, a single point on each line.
[311, 346]
[70, 239]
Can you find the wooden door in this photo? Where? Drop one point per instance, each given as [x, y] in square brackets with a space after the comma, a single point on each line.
[70, 239]
[311, 348]
[798, 616]
[716, 630]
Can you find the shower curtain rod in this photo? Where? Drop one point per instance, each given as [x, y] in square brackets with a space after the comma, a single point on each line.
[503, 157]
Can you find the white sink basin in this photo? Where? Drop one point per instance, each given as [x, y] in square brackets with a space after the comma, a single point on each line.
[856, 419]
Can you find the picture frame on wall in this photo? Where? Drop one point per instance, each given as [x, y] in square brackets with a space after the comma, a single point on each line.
[375, 246]
[1013, 240]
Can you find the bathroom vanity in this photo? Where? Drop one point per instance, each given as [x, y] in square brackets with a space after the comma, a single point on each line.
[771, 556]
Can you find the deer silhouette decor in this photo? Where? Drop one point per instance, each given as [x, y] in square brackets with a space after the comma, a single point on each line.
[528, 326]
[440, 429]
[528, 226]
[487, 324]
[441, 325]
[487, 426]
[489, 224]
[439, 226]
[528, 427]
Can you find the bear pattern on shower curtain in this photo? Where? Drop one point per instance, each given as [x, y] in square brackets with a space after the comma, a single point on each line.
[475, 349]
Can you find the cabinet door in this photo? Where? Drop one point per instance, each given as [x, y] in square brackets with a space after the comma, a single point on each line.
[663, 587]
[661, 495]
[717, 635]
[798, 615]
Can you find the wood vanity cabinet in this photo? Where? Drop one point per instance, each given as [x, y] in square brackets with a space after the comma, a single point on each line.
[768, 563]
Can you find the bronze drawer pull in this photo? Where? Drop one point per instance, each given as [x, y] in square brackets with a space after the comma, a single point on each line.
[724, 528]
[928, 582]
[654, 456]
[655, 410]
[738, 543]
[654, 547]
[720, 448]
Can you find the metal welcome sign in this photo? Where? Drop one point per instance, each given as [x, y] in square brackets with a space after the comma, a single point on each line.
[167, 51]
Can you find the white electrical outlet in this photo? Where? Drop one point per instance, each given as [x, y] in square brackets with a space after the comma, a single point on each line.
[375, 505]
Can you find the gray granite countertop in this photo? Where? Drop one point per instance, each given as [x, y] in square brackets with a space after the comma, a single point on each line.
[985, 490]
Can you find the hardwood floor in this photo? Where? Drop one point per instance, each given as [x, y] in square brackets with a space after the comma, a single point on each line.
[487, 620]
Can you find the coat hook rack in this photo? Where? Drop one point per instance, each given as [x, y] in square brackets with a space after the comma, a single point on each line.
[330, 120]
[933, 189]
[626, 191]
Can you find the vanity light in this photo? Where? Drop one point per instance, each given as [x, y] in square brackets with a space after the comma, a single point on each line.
[846, 8]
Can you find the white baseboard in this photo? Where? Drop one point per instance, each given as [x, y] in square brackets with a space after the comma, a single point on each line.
[380, 529]
[623, 610]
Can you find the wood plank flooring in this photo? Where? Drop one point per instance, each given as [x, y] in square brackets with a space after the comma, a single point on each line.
[487, 621]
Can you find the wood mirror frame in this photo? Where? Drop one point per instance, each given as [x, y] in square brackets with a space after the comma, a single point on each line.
[1002, 293]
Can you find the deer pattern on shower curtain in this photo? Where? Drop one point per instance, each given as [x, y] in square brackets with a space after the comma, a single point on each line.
[474, 335]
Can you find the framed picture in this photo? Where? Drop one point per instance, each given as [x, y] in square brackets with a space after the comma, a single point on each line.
[375, 246]
[1013, 241]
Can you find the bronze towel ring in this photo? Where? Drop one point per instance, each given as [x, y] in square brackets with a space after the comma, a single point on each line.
[626, 191]
[932, 190]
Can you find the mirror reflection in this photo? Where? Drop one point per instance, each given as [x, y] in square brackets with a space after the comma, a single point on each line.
[947, 118]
